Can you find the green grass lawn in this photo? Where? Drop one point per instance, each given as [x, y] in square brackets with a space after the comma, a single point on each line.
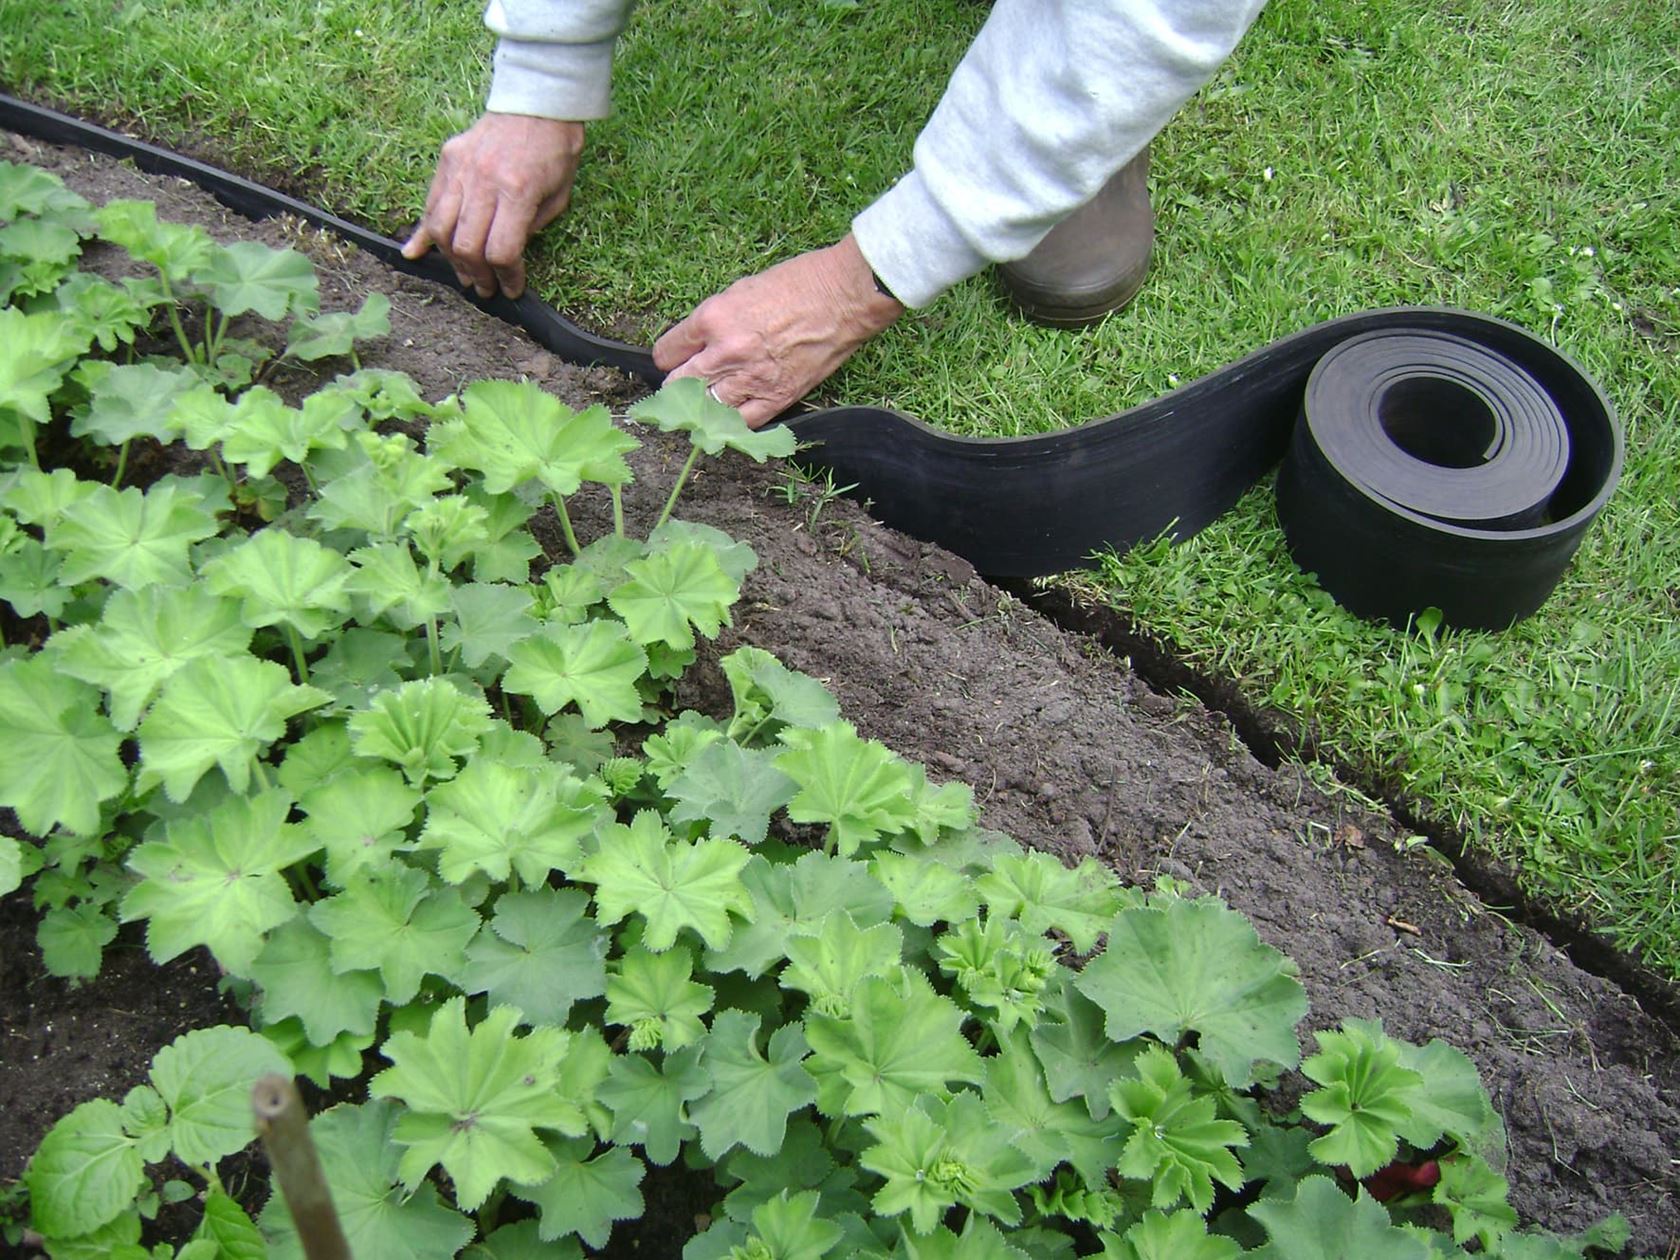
[1513, 159]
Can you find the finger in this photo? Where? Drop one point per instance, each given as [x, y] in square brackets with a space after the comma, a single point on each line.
[439, 227]
[678, 345]
[504, 249]
[418, 244]
[552, 208]
[466, 247]
[758, 412]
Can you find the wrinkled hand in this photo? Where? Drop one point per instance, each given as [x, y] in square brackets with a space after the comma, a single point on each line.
[768, 340]
[502, 180]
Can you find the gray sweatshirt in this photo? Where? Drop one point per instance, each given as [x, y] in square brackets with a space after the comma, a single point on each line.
[1051, 99]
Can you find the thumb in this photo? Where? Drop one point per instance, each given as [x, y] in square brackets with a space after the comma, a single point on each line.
[417, 244]
[678, 344]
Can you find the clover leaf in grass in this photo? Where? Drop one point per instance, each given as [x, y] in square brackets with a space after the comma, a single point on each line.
[674, 592]
[1046, 896]
[143, 638]
[649, 1102]
[422, 726]
[299, 980]
[684, 406]
[857, 786]
[59, 756]
[935, 1154]
[393, 921]
[217, 711]
[498, 818]
[318, 336]
[542, 953]
[1177, 1143]
[1323, 1223]
[216, 879]
[900, 1040]
[175, 249]
[381, 1219]
[1198, 966]
[655, 997]
[476, 1100]
[586, 1194]
[752, 1091]
[672, 884]
[129, 538]
[513, 432]
[248, 277]
[36, 352]
[594, 666]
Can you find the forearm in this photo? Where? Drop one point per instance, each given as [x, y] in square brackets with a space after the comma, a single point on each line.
[554, 58]
[1053, 97]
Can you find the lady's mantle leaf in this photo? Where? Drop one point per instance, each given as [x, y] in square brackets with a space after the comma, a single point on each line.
[205, 1077]
[85, 1172]
[1180, 1236]
[72, 940]
[829, 959]
[648, 1103]
[298, 979]
[129, 538]
[498, 816]
[1366, 1098]
[228, 1230]
[392, 920]
[422, 726]
[684, 406]
[1176, 1141]
[924, 892]
[655, 997]
[35, 353]
[284, 580]
[218, 711]
[594, 666]
[768, 695]
[489, 619]
[1078, 1058]
[250, 276]
[1047, 1131]
[360, 816]
[1046, 896]
[542, 953]
[672, 590]
[1478, 1200]
[143, 638]
[173, 248]
[1198, 966]
[734, 790]
[856, 785]
[788, 1228]
[751, 1095]
[315, 337]
[1322, 1223]
[513, 432]
[476, 1099]
[130, 401]
[585, 1196]
[672, 884]
[215, 879]
[381, 1220]
[263, 430]
[936, 1154]
[901, 1041]
[59, 757]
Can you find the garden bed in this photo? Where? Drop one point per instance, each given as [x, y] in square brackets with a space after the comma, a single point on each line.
[1066, 750]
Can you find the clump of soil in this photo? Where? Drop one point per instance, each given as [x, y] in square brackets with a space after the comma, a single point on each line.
[1066, 749]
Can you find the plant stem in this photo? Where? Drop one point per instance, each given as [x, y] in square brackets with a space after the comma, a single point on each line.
[566, 525]
[122, 464]
[261, 774]
[617, 493]
[432, 646]
[296, 640]
[214, 332]
[26, 426]
[187, 347]
[688, 466]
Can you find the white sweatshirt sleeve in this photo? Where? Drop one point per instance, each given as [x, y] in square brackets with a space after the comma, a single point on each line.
[554, 60]
[1052, 98]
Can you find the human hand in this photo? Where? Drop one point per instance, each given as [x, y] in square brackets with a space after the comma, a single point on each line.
[502, 180]
[767, 340]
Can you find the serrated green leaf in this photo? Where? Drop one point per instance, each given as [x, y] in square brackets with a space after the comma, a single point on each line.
[1477, 1199]
[218, 711]
[594, 666]
[393, 921]
[381, 1220]
[672, 884]
[144, 637]
[672, 593]
[1045, 1130]
[1078, 1058]
[752, 1094]
[339, 1058]
[298, 979]
[388, 583]
[174, 249]
[44, 250]
[129, 538]
[1178, 1236]
[59, 757]
[1455, 1104]
[1198, 966]
[936, 1154]
[1365, 1097]
[229, 1230]
[1046, 896]
[655, 997]
[13, 857]
[263, 430]
[522, 1241]
[84, 1173]
[684, 406]
[327, 336]
[787, 1227]
[360, 664]
[542, 952]
[126, 401]
[925, 893]
[901, 1041]
[489, 620]
[282, 579]
[496, 817]
[733, 790]
[38, 351]
[422, 726]
[360, 818]
[447, 530]
[73, 941]
[26, 189]
[29, 579]
[206, 1077]
[769, 696]
[998, 965]
[1177, 1143]
[215, 879]
[1322, 1223]
[38, 497]
[249, 276]
[111, 314]
[586, 1196]
[827, 960]
[475, 1100]
[858, 786]
[514, 432]
[649, 1102]
[146, 1120]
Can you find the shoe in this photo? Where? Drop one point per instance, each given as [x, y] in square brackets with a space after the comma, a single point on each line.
[1093, 262]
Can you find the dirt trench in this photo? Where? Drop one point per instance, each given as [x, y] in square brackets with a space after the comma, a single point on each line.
[1067, 750]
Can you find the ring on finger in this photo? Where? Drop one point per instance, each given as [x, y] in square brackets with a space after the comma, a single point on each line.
[711, 392]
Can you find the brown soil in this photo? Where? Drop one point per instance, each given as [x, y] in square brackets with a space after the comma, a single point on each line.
[1066, 749]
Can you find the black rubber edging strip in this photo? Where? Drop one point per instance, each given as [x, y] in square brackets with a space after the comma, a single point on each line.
[1274, 737]
[1022, 507]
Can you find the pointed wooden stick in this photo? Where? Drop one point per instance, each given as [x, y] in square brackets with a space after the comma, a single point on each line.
[283, 1125]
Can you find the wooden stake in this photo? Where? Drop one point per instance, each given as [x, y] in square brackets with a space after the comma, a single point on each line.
[283, 1125]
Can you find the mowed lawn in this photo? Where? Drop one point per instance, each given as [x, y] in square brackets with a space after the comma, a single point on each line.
[1518, 160]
